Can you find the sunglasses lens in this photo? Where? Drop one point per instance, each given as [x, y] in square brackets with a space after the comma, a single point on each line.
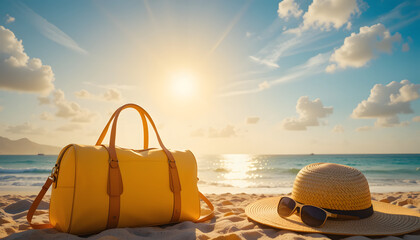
[286, 207]
[313, 216]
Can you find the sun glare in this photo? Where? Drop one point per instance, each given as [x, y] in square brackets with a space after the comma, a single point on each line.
[183, 84]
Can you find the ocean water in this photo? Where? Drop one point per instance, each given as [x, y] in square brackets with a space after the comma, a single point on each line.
[237, 173]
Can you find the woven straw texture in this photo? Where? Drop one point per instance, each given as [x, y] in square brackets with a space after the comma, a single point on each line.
[387, 219]
[339, 187]
[332, 186]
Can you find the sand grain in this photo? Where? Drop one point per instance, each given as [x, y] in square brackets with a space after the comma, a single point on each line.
[230, 222]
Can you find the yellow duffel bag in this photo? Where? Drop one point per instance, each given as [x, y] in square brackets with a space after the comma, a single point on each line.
[99, 187]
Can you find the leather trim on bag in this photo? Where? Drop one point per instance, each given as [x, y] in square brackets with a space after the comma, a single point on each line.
[114, 189]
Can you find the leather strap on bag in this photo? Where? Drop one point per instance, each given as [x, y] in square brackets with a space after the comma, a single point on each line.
[174, 182]
[35, 204]
[115, 189]
[210, 215]
[50, 180]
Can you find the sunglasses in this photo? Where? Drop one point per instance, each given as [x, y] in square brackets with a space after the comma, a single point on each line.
[310, 215]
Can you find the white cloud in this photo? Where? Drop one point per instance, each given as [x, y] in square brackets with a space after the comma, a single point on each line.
[309, 113]
[49, 30]
[109, 95]
[348, 27]
[324, 14]
[406, 93]
[112, 95]
[252, 120]
[9, 19]
[46, 116]
[405, 13]
[18, 72]
[25, 128]
[359, 48]
[264, 85]
[280, 47]
[338, 129]
[264, 62]
[364, 129]
[69, 127]
[289, 8]
[311, 67]
[405, 47]
[44, 100]
[83, 94]
[387, 121]
[416, 119]
[385, 102]
[226, 132]
[249, 34]
[390, 122]
[331, 68]
[68, 109]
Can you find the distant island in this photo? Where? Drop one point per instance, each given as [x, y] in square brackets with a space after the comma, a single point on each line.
[24, 146]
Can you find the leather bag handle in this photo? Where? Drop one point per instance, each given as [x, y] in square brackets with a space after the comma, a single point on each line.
[145, 130]
[114, 130]
[174, 181]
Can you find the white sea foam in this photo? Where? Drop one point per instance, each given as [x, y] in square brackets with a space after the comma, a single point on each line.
[25, 170]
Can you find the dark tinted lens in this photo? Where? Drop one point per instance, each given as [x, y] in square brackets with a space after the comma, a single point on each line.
[313, 216]
[286, 206]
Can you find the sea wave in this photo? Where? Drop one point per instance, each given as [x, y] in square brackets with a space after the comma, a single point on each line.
[24, 170]
[388, 171]
[218, 184]
[294, 171]
[21, 183]
[393, 182]
[9, 178]
[257, 170]
[251, 185]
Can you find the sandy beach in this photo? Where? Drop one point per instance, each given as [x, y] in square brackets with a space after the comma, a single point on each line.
[230, 221]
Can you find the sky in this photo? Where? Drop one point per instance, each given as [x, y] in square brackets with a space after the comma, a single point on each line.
[251, 77]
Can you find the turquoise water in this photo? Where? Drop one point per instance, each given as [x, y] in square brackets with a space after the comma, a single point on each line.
[241, 172]
[276, 173]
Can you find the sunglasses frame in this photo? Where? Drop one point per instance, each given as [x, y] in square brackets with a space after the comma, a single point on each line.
[328, 214]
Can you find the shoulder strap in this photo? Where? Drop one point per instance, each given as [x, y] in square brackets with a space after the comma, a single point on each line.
[210, 215]
[35, 204]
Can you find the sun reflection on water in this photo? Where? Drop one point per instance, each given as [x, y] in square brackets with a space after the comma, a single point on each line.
[238, 170]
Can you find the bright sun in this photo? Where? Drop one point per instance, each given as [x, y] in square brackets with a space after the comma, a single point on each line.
[183, 84]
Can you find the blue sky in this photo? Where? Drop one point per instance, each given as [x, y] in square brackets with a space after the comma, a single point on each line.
[217, 76]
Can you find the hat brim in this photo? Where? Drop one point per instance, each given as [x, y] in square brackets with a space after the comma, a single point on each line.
[387, 219]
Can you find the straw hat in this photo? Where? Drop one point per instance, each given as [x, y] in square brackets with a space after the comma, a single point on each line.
[337, 187]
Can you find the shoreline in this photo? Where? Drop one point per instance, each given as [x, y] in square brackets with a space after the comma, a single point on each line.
[209, 189]
[230, 221]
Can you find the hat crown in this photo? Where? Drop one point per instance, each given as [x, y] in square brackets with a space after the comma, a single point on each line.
[332, 186]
